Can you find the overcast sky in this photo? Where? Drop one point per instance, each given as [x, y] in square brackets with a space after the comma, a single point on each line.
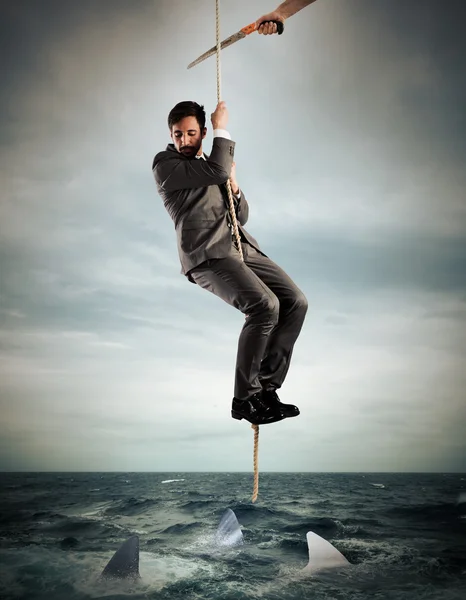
[351, 148]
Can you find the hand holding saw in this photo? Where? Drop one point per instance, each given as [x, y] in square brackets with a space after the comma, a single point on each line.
[242, 33]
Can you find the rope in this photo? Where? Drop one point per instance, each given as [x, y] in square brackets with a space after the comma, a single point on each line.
[237, 238]
[219, 97]
[256, 462]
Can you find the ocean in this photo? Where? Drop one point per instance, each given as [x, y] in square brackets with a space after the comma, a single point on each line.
[404, 535]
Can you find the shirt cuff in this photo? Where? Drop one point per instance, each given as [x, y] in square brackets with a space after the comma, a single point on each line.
[222, 133]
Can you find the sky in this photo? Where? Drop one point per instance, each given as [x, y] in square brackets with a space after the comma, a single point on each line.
[350, 148]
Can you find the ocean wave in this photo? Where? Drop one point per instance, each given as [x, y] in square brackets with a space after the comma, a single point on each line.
[74, 527]
[132, 506]
[197, 504]
[319, 525]
[439, 513]
[181, 528]
[171, 480]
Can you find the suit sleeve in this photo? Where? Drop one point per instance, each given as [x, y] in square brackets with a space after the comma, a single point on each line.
[173, 172]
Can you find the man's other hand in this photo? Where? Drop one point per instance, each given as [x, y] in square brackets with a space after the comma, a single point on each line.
[233, 182]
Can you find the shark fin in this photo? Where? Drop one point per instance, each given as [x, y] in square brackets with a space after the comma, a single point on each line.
[229, 530]
[124, 564]
[322, 555]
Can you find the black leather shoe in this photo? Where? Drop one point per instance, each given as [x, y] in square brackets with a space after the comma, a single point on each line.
[271, 399]
[254, 410]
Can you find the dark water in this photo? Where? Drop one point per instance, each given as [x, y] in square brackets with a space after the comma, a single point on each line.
[406, 540]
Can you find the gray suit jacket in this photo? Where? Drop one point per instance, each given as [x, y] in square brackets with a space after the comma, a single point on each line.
[195, 196]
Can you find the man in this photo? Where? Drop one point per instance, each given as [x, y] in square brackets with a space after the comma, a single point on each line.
[283, 11]
[192, 187]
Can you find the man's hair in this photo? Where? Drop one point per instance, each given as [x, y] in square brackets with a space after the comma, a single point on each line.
[186, 109]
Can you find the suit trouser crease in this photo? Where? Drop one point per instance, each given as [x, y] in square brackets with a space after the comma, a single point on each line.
[275, 309]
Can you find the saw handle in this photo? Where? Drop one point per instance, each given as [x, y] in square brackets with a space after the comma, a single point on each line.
[252, 27]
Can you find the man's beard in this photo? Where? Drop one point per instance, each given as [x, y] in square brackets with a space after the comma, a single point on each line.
[190, 151]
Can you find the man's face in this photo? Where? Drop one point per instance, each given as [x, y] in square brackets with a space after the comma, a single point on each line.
[187, 136]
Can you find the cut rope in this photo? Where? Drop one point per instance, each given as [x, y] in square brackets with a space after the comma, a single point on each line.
[238, 243]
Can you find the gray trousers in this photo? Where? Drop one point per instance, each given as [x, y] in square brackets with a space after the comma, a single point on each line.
[275, 310]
